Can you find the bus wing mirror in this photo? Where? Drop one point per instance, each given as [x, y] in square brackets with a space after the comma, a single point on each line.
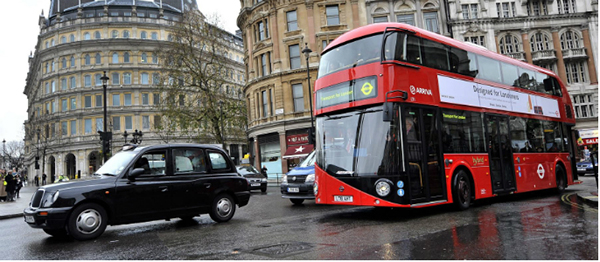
[388, 109]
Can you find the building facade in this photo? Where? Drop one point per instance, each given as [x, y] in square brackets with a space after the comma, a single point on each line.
[277, 91]
[560, 35]
[79, 41]
[427, 14]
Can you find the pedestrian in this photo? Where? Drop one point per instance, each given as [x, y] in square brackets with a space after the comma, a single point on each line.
[19, 185]
[43, 179]
[37, 180]
[3, 183]
[11, 184]
[263, 171]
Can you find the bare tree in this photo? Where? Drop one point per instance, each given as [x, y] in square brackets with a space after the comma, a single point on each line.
[198, 92]
[15, 151]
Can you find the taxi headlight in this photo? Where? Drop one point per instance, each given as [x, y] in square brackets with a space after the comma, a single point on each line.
[383, 187]
[310, 178]
[51, 199]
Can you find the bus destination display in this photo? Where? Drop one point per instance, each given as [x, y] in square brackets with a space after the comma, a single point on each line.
[350, 91]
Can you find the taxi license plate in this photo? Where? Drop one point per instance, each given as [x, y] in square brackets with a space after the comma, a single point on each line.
[293, 190]
[343, 198]
[255, 184]
[29, 219]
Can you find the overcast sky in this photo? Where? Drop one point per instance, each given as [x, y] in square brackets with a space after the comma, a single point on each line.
[20, 30]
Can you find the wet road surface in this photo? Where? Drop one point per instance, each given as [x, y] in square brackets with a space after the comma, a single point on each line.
[538, 226]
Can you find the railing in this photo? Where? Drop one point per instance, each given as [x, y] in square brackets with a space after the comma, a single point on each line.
[574, 53]
[518, 56]
[543, 55]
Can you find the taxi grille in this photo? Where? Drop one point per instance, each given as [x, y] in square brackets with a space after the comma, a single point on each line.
[37, 198]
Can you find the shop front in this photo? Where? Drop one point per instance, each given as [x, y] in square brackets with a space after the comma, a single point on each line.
[587, 142]
[297, 148]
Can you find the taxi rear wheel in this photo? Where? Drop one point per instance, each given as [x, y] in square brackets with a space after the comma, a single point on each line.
[87, 221]
[223, 208]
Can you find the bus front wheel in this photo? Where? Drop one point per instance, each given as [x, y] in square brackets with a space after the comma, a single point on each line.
[561, 181]
[461, 190]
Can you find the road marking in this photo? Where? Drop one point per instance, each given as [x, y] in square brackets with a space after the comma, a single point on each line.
[565, 199]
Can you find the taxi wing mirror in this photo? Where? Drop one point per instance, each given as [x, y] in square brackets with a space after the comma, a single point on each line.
[135, 173]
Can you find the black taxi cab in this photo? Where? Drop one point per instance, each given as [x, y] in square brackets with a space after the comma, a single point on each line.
[142, 184]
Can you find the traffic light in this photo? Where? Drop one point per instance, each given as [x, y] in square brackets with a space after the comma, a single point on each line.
[37, 163]
[311, 136]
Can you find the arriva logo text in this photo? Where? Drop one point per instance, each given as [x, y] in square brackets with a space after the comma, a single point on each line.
[417, 90]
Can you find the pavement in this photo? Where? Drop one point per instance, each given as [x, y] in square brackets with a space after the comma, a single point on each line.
[588, 194]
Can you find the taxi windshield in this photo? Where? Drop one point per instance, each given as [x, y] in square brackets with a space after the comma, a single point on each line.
[115, 165]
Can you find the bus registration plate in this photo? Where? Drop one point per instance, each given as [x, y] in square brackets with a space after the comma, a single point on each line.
[343, 198]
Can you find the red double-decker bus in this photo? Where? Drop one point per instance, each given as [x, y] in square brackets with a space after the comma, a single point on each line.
[410, 118]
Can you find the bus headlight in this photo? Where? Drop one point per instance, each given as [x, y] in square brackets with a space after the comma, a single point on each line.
[383, 187]
[310, 178]
[316, 189]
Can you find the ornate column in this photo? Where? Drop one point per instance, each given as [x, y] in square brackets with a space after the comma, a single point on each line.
[560, 63]
[588, 48]
[526, 46]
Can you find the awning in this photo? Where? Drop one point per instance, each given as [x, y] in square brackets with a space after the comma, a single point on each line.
[298, 151]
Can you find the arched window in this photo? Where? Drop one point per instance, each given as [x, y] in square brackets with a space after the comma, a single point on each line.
[509, 44]
[46, 44]
[86, 36]
[154, 36]
[144, 35]
[540, 42]
[569, 40]
[72, 61]
[125, 34]
[144, 58]
[87, 59]
[126, 57]
[63, 39]
[51, 42]
[72, 38]
[98, 59]
[97, 35]
[115, 58]
[115, 34]
[63, 63]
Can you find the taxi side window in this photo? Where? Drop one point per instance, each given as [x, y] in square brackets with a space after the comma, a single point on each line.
[153, 163]
[217, 161]
[189, 160]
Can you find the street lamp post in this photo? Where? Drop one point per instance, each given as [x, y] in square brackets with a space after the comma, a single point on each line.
[105, 139]
[3, 153]
[222, 128]
[307, 52]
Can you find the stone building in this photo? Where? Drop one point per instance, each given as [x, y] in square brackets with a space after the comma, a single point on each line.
[79, 40]
[560, 35]
[277, 90]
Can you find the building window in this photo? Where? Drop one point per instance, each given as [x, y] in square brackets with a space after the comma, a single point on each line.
[478, 40]
[154, 58]
[145, 99]
[470, 11]
[263, 62]
[64, 105]
[566, 6]
[540, 42]
[265, 103]
[431, 22]
[97, 35]
[73, 82]
[73, 127]
[99, 124]
[292, 21]
[63, 84]
[73, 103]
[63, 63]
[115, 34]
[128, 123]
[332, 13]
[47, 88]
[575, 72]
[98, 100]
[53, 86]
[88, 60]
[569, 40]
[88, 126]
[63, 128]
[116, 121]
[86, 36]
[144, 58]
[144, 35]
[125, 34]
[155, 79]
[127, 78]
[126, 57]
[157, 121]
[72, 61]
[298, 94]
[115, 58]
[87, 102]
[145, 122]
[98, 79]
[294, 51]
[144, 77]
[509, 44]
[98, 59]
[116, 100]
[156, 99]
[127, 99]
[63, 39]
[154, 36]
[72, 38]
[537, 7]
[380, 19]
[87, 80]
[506, 9]
[262, 30]
[115, 79]
[583, 106]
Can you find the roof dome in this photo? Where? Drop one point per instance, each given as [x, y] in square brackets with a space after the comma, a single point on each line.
[60, 6]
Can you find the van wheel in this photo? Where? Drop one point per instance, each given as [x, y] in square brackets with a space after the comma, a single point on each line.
[561, 183]
[223, 208]
[87, 221]
[297, 201]
[461, 190]
[263, 189]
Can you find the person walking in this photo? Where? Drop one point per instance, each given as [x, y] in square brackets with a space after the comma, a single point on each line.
[37, 180]
[19, 184]
[44, 179]
[3, 183]
[11, 184]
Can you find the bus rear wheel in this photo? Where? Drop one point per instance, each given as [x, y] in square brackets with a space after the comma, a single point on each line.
[561, 182]
[461, 190]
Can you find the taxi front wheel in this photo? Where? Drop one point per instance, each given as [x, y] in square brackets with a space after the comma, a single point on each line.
[87, 221]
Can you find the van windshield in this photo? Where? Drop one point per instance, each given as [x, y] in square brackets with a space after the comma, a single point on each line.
[309, 160]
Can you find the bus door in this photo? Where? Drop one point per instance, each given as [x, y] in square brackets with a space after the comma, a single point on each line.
[422, 154]
[569, 143]
[500, 154]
